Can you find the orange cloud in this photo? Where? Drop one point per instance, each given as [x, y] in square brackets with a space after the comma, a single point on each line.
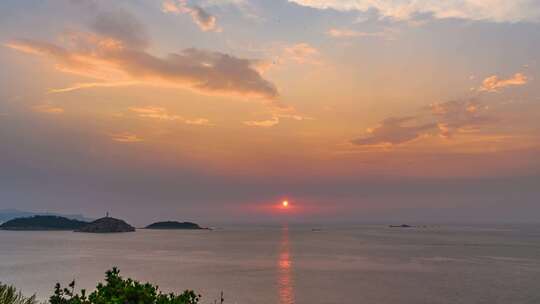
[281, 55]
[117, 65]
[48, 109]
[277, 114]
[155, 113]
[89, 85]
[393, 131]
[348, 33]
[456, 116]
[274, 121]
[126, 138]
[198, 122]
[301, 53]
[490, 10]
[160, 113]
[204, 20]
[494, 83]
[444, 119]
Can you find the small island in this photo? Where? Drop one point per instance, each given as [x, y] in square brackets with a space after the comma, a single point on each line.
[107, 225]
[174, 225]
[42, 223]
[401, 226]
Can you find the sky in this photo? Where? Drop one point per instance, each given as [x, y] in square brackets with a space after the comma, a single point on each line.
[216, 111]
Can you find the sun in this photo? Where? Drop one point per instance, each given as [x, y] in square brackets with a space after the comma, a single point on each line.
[285, 204]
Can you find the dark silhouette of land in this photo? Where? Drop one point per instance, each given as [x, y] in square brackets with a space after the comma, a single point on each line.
[174, 225]
[43, 222]
[106, 225]
[9, 214]
[401, 226]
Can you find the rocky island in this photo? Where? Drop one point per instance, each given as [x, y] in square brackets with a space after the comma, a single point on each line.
[401, 226]
[42, 222]
[106, 225]
[174, 225]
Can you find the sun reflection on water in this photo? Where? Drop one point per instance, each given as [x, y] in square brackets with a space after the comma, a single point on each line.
[285, 281]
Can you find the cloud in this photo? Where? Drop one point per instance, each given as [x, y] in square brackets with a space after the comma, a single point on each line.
[458, 116]
[89, 85]
[114, 62]
[126, 138]
[274, 121]
[204, 20]
[488, 10]
[48, 109]
[173, 7]
[348, 33]
[246, 8]
[443, 119]
[277, 115]
[282, 54]
[198, 122]
[301, 53]
[160, 113]
[392, 131]
[494, 83]
[121, 26]
[155, 113]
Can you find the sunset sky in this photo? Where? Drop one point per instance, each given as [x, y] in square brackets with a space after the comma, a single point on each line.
[218, 110]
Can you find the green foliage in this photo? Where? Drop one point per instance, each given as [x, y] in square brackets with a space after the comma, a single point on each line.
[118, 290]
[10, 295]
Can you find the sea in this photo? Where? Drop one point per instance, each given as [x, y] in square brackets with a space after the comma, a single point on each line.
[287, 263]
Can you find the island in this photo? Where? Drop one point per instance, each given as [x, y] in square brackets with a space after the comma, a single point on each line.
[10, 214]
[175, 225]
[401, 226]
[43, 222]
[106, 225]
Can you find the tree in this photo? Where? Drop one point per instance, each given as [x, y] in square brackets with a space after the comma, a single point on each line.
[117, 290]
[10, 295]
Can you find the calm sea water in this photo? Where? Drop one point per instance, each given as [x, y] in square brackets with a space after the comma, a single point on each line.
[293, 264]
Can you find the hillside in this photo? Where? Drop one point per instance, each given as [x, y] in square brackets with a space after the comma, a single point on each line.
[174, 225]
[42, 222]
[9, 214]
[107, 225]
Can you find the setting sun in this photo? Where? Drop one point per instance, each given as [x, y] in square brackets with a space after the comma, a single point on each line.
[285, 204]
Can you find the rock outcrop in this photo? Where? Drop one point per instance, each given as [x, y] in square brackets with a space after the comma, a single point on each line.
[107, 225]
